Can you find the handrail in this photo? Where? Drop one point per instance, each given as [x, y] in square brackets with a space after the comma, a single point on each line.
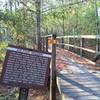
[85, 49]
[81, 36]
[76, 36]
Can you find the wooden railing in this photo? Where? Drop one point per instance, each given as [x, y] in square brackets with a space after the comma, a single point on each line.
[87, 46]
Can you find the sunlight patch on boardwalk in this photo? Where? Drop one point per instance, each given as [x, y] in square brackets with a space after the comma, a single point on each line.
[77, 82]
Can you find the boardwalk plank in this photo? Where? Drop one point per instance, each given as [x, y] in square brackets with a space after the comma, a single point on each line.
[77, 82]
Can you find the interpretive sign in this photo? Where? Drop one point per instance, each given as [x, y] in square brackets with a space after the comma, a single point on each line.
[25, 68]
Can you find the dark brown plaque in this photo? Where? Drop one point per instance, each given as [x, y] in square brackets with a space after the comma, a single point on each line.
[25, 67]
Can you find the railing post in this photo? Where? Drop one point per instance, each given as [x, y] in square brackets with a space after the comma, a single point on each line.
[43, 43]
[62, 41]
[46, 41]
[70, 49]
[81, 46]
[68, 43]
[97, 44]
[53, 71]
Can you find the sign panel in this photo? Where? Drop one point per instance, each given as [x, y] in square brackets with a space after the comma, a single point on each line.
[25, 67]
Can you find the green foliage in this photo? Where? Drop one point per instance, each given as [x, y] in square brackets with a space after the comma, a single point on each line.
[76, 19]
[19, 23]
[69, 19]
[15, 25]
[3, 46]
[8, 96]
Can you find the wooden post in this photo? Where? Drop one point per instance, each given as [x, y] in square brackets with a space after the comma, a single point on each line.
[68, 43]
[46, 43]
[43, 44]
[23, 94]
[62, 41]
[70, 49]
[81, 46]
[99, 44]
[53, 71]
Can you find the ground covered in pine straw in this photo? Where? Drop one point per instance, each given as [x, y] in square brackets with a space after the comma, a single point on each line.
[8, 93]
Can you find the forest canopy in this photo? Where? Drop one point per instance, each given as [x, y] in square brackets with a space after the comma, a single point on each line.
[18, 19]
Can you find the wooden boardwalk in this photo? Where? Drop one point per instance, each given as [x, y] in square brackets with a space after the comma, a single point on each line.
[77, 82]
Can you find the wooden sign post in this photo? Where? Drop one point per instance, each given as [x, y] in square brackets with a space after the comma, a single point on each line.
[23, 94]
[53, 69]
[25, 68]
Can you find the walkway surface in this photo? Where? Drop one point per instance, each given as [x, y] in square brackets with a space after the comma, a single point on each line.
[77, 78]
